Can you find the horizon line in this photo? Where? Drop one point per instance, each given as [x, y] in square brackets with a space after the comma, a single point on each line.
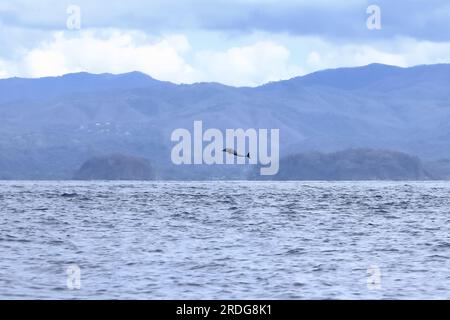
[219, 83]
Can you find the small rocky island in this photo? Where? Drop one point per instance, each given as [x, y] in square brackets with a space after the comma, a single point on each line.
[115, 167]
[352, 164]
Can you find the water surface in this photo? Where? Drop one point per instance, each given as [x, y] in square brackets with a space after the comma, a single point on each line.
[225, 240]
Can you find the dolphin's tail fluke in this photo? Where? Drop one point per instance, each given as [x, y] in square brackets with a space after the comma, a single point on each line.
[248, 155]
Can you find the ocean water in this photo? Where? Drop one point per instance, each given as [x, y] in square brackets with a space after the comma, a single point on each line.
[224, 240]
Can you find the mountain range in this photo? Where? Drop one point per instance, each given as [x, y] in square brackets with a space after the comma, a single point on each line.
[51, 126]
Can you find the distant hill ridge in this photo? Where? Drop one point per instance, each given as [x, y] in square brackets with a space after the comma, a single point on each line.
[51, 125]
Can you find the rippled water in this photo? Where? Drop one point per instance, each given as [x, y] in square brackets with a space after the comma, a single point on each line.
[208, 240]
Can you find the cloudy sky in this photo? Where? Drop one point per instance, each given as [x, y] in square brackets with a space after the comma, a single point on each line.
[236, 42]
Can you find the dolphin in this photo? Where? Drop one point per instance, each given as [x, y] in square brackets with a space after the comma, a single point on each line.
[234, 152]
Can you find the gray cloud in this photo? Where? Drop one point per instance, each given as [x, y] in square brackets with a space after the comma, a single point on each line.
[324, 18]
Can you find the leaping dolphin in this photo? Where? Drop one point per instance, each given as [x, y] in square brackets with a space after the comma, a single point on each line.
[234, 152]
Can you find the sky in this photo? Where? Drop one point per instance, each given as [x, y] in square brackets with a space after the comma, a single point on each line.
[234, 42]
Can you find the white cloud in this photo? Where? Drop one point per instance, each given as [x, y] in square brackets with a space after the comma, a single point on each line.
[403, 52]
[111, 51]
[164, 58]
[247, 65]
[3, 72]
[254, 61]
[332, 56]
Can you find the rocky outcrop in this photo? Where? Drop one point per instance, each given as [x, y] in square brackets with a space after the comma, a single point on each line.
[115, 167]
